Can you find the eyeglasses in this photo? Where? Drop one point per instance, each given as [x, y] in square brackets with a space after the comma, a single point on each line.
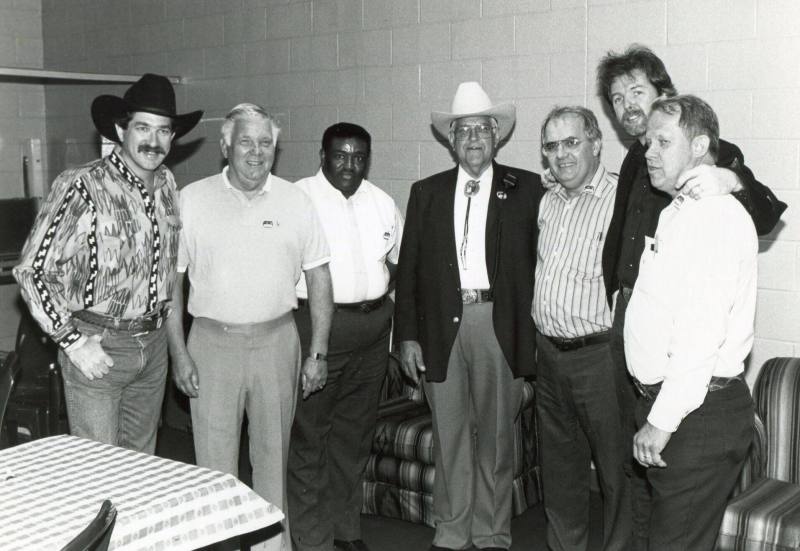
[570, 144]
[464, 132]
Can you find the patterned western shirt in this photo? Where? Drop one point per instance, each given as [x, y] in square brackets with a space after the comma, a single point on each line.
[103, 243]
[569, 298]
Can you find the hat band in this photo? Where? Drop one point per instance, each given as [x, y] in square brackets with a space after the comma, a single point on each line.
[154, 110]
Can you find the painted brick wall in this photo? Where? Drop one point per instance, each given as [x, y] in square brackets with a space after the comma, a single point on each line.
[387, 63]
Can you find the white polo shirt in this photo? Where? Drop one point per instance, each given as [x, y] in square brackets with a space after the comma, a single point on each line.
[363, 232]
[692, 311]
[245, 255]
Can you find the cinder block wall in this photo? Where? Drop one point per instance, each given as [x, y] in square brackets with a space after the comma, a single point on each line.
[387, 63]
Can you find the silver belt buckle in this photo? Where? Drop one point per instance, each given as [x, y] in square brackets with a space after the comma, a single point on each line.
[469, 296]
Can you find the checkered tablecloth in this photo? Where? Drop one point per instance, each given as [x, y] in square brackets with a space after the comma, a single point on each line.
[50, 489]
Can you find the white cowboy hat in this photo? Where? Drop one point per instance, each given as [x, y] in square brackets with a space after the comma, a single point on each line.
[472, 101]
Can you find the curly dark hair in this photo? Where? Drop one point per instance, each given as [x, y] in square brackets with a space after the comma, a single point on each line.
[636, 56]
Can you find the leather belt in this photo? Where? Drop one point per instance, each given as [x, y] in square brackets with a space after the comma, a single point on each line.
[364, 307]
[566, 345]
[476, 296]
[144, 324]
[716, 383]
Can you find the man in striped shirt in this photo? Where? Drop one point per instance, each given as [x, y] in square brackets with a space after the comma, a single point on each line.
[576, 392]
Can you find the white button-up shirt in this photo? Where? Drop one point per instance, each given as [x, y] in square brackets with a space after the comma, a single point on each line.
[692, 311]
[474, 274]
[363, 233]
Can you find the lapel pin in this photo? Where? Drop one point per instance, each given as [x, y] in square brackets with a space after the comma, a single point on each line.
[501, 195]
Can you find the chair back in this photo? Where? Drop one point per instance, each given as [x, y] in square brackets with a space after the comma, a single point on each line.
[8, 374]
[97, 535]
[777, 399]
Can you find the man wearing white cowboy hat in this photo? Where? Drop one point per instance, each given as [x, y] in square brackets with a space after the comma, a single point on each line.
[464, 293]
[99, 267]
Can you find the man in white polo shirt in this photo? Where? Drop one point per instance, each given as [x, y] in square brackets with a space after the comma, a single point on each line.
[333, 429]
[247, 237]
[688, 329]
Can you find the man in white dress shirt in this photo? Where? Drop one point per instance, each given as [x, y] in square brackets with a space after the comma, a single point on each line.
[333, 428]
[579, 417]
[688, 329]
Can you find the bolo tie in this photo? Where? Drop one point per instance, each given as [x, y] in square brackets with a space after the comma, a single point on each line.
[471, 189]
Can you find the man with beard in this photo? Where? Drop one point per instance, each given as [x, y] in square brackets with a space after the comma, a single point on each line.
[463, 316]
[247, 236]
[333, 428]
[98, 268]
[688, 330]
[630, 82]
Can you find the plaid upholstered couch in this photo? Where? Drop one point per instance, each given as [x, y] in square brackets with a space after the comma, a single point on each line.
[765, 515]
[398, 481]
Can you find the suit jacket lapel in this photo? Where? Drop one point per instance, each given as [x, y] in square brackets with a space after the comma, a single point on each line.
[442, 213]
[494, 220]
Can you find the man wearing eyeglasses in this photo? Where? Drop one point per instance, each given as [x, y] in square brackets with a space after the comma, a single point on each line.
[576, 402]
[464, 292]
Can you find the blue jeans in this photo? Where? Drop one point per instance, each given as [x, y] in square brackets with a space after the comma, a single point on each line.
[123, 407]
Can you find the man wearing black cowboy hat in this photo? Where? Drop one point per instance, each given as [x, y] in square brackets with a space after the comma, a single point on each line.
[99, 267]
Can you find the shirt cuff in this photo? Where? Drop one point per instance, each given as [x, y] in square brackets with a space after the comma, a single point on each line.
[73, 341]
[316, 263]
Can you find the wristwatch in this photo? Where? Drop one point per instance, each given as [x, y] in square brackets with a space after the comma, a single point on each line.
[319, 357]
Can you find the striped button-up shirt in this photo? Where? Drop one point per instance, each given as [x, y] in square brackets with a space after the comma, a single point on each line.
[103, 243]
[569, 296]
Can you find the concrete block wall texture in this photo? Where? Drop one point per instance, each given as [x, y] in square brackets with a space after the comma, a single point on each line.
[387, 63]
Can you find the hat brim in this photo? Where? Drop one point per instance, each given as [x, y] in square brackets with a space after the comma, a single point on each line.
[106, 109]
[504, 113]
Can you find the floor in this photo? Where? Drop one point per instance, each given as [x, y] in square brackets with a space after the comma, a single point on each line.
[384, 534]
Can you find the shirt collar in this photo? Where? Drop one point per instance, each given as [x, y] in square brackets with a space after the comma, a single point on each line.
[116, 160]
[597, 187]
[264, 189]
[485, 178]
[329, 188]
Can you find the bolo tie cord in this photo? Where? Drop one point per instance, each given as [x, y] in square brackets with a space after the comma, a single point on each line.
[471, 188]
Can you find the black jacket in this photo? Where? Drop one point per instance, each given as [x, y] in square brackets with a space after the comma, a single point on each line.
[428, 299]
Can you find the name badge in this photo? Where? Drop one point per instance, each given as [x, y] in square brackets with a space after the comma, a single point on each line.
[386, 235]
[268, 224]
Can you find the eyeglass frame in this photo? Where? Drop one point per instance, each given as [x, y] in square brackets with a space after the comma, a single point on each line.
[477, 127]
[569, 144]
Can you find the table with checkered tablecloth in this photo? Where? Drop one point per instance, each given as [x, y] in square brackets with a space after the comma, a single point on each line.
[50, 489]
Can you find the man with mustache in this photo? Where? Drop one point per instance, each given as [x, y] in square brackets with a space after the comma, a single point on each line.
[688, 330]
[98, 269]
[630, 82]
[247, 237]
[576, 394]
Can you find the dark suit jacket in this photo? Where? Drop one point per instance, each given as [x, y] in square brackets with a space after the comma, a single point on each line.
[757, 199]
[428, 299]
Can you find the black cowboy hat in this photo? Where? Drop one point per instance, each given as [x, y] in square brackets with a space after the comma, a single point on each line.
[151, 94]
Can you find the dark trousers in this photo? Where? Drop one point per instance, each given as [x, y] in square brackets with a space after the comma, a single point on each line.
[627, 397]
[579, 420]
[704, 458]
[333, 429]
